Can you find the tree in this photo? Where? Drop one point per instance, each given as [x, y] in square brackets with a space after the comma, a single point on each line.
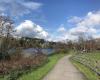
[81, 44]
[6, 29]
[91, 43]
[60, 47]
[70, 44]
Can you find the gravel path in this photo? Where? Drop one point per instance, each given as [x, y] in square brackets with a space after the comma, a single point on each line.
[64, 70]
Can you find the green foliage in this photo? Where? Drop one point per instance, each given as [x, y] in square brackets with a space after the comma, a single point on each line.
[14, 75]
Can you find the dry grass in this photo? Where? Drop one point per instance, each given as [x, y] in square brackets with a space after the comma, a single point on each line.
[20, 62]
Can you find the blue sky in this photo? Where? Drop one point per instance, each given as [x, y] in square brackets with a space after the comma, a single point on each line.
[57, 11]
[54, 16]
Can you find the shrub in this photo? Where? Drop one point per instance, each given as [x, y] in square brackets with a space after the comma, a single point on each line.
[16, 67]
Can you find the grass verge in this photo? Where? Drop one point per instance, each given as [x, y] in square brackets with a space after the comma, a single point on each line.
[39, 73]
[90, 75]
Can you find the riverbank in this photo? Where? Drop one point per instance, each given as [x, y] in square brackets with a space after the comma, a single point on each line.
[39, 73]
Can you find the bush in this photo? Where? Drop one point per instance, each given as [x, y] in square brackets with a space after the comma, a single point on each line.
[4, 56]
[14, 75]
[15, 68]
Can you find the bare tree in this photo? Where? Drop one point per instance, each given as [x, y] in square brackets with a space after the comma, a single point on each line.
[6, 29]
[91, 43]
[60, 47]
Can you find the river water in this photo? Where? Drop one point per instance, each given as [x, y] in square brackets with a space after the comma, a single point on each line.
[30, 51]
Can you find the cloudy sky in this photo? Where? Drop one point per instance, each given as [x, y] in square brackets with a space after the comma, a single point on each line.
[53, 19]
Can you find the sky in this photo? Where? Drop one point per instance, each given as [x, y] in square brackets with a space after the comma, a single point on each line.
[53, 19]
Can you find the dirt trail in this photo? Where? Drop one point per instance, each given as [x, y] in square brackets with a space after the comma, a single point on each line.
[64, 70]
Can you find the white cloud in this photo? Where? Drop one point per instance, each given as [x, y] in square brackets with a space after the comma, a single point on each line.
[90, 24]
[18, 7]
[61, 28]
[62, 37]
[74, 19]
[32, 5]
[82, 29]
[91, 20]
[96, 36]
[30, 29]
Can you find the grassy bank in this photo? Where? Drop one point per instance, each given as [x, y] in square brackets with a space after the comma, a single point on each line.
[39, 73]
[90, 75]
[88, 64]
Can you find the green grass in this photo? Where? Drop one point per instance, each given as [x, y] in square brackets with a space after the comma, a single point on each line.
[88, 63]
[91, 60]
[90, 75]
[39, 73]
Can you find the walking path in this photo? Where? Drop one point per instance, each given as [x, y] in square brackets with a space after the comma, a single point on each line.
[64, 70]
